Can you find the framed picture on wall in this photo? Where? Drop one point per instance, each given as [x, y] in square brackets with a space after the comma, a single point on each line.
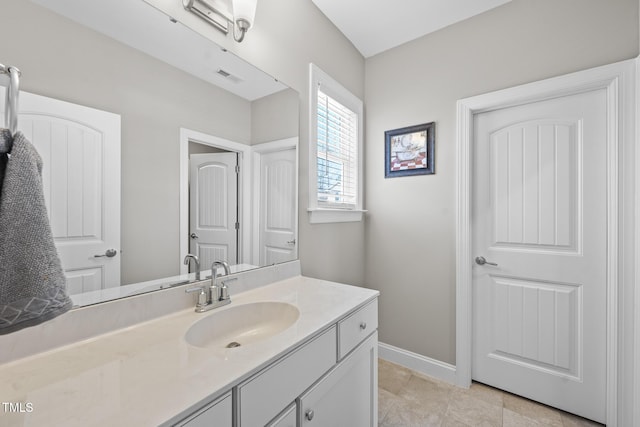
[410, 151]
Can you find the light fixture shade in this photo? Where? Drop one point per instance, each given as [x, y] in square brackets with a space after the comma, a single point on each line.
[244, 9]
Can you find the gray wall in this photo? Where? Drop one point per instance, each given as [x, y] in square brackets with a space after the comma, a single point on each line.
[410, 229]
[284, 47]
[275, 117]
[195, 148]
[63, 60]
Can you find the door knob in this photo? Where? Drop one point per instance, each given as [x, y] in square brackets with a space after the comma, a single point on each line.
[292, 242]
[194, 236]
[110, 253]
[481, 261]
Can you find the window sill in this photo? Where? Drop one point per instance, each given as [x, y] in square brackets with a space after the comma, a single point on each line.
[325, 216]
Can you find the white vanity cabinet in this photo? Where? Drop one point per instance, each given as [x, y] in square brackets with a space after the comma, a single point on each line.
[346, 396]
[266, 394]
[330, 380]
[356, 327]
[216, 414]
[289, 418]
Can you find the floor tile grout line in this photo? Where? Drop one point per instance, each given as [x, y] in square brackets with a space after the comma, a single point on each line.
[560, 418]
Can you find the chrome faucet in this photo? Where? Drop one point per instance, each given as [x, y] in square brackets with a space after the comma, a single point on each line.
[223, 292]
[212, 296]
[214, 269]
[196, 260]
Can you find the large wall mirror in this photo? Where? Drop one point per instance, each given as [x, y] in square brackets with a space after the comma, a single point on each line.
[156, 143]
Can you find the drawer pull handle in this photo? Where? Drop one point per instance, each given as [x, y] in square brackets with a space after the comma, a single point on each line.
[363, 325]
[309, 414]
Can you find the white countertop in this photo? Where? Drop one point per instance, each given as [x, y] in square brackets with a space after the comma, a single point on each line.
[146, 374]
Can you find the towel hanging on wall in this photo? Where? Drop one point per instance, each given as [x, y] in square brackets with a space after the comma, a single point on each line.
[32, 282]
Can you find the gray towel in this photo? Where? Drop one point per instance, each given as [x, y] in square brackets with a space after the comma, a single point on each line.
[32, 283]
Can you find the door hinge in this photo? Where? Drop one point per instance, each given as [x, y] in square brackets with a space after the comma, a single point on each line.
[237, 168]
[237, 226]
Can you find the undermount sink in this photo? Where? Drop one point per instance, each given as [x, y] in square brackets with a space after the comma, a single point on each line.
[241, 325]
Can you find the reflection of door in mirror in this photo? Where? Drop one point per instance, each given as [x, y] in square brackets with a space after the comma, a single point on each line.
[168, 86]
[277, 206]
[213, 207]
[80, 149]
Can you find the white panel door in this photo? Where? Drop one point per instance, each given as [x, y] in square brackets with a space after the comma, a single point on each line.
[213, 207]
[539, 213]
[80, 150]
[278, 207]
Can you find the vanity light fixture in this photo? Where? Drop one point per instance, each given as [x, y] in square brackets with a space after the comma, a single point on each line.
[217, 13]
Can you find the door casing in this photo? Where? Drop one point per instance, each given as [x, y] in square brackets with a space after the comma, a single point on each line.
[618, 80]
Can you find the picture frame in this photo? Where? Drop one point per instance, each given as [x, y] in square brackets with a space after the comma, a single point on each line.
[410, 151]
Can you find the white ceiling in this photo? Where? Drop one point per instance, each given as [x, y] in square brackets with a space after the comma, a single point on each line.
[170, 42]
[374, 26]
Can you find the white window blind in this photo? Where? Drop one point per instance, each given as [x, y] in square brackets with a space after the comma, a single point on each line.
[337, 154]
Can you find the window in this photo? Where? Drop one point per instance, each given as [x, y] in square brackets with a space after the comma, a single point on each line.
[335, 151]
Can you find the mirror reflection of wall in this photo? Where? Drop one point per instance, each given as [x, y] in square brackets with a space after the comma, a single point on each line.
[154, 101]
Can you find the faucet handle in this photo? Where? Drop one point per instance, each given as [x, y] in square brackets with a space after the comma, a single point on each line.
[202, 296]
[224, 293]
[224, 290]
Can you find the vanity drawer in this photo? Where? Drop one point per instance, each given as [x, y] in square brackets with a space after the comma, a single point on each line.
[218, 413]
[268, 393]
[286, 419]
[356, 327]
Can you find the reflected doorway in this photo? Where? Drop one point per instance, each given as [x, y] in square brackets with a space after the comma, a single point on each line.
[195, 144]
[214, 226]
[266, 199]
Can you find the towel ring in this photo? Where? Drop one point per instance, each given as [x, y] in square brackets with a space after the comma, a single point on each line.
[13, 93]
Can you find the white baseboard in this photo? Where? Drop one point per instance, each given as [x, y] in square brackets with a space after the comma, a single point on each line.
[416, 362]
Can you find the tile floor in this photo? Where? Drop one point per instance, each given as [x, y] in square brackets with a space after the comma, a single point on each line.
[409, 399]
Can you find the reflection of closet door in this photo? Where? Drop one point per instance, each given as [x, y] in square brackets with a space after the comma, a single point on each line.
[278, 207]
[80, 150]
[213, 207]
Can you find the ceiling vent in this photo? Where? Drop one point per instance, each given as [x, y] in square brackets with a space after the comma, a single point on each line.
[228, 76]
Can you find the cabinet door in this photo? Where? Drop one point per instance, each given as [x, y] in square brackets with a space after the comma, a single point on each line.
[348, 394]
[286, 419]
[217, 414]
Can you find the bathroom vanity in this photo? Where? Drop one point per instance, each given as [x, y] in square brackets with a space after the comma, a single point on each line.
[329, 380]
[288, 350]
[311, 361]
